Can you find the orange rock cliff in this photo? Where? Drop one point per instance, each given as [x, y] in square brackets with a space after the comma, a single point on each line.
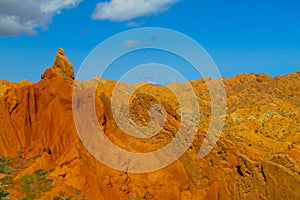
[256, 157]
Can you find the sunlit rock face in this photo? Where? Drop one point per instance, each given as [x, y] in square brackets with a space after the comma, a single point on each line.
[256, 157]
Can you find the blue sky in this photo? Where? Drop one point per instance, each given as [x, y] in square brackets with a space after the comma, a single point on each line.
[261, 36]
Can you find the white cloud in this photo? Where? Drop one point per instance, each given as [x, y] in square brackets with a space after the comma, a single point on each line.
[131, 43]
[134, 24]
[51, 6]
[124, 10]
[25, 16]
[136, 43]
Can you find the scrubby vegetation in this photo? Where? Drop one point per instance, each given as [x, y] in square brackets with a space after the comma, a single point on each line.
[33, 185]
[6, 181]
[3, 194]
[5, 166]
[62, 196]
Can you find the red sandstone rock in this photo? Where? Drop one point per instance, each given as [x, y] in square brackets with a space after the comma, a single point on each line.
[256, 157]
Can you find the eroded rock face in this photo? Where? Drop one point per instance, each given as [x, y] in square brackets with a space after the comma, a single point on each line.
[61, 65]
[6, 85]
[256, 157]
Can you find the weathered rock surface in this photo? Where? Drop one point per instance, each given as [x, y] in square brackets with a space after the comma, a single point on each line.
[256, 157]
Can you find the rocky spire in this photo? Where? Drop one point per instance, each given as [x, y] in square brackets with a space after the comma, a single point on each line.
[62, 65]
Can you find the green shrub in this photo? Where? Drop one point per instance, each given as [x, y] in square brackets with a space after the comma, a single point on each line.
[3, 194]
[6, 182]
[35, 184]
[62, 196]
[5, 166]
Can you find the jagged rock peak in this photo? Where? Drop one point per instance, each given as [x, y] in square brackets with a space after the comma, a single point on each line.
[62, 65]
[62, 62]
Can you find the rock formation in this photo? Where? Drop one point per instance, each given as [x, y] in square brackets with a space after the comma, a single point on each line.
[61, 65]
[256, 157]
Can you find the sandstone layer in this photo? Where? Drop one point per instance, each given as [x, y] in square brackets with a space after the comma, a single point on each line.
[256, 157]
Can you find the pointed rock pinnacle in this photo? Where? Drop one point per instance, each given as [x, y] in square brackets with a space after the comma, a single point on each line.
[62, 63]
